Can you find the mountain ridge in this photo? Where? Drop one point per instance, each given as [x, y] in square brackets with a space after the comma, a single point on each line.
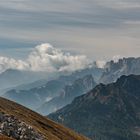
[69, 92]
[108, 112]
[125, 66]
[34, 98]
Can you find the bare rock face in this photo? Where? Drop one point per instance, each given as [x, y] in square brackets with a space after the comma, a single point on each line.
[126, 66]
[17, 129]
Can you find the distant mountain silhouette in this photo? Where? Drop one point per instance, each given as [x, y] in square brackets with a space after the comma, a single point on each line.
[36, 97]
[69, 92]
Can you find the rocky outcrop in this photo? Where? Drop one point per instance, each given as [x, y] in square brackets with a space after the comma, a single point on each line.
[17, 129]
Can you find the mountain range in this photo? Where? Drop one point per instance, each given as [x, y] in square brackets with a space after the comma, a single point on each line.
[11, 78]
[125, 66]
[36, 97]
[46, 96]
[100, 103]
[108, 112]
[69, 92]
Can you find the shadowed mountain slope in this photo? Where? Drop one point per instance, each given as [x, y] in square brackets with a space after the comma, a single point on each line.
[108, 112]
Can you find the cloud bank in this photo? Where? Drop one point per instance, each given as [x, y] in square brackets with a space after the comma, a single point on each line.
[100, 63]
[46, 58]
[10, 63]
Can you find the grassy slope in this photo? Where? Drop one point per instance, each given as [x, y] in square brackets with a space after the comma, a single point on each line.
[2, 137]
[48, 128]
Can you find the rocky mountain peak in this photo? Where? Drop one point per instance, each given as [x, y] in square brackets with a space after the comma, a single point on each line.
[126, 66]
[108, 112]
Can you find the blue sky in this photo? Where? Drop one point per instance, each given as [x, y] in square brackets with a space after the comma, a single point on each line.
[99, 29]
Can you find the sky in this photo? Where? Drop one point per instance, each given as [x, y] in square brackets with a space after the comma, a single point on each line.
[99, 29]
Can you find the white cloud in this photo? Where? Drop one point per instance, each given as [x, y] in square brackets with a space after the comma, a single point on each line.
[116, 58]
[10, 63]
[46, 58]
[100, 63]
